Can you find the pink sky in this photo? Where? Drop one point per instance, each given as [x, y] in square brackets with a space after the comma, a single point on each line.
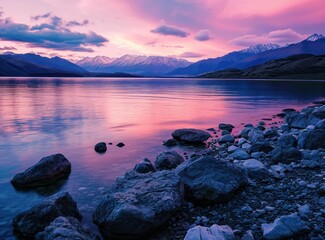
[193, 29]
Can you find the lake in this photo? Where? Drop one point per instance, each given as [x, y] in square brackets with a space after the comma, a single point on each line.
[43, 116]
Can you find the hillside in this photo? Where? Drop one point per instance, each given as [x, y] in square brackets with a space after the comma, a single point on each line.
[294, 67]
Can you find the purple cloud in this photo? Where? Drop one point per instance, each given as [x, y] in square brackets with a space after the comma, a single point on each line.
[203, 35]
[168, 30]
[8, 48]
[75, 23]
[46, 15]
[191, 55]
[53, 35]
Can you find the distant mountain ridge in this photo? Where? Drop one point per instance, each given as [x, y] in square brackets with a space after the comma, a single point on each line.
[135, 64]
[259, 54]
[305, 66]
[94, 64]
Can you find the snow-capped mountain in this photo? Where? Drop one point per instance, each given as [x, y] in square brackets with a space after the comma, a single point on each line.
[94, 63]
[315, 37]
[134, 64]
[260, 48]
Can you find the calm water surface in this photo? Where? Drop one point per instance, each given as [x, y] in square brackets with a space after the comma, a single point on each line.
[43, 116]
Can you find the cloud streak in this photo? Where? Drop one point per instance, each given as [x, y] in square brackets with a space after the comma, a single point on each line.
[169, 30]
[8, 48]
[191, 55]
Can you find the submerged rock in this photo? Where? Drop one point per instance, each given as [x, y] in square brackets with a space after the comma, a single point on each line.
[137, 204]
[170, 143]
[36, 219]
[225, 126]
[120, 145]
[210, 180]
[144, 166]
[215, 232]
[66, 228]
[168, 160]
[191, 135]
[48, 170]
[100, 147]
[284, 227]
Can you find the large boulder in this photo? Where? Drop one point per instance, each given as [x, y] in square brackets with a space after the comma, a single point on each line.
[137, 204]
[256, 169]
[210, 180]
[36, 219]
[301, 120]
[285, 227]
[48, 170]
[312, 139]
[255, 134]
[168, 160]
[286, 155]
[144, 166]
[215, 232]
[286, 141]
[100, 147]
[191, 135]
[66, 228]
[320, 124]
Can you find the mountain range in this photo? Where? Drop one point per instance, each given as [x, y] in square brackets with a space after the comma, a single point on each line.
[305, 66]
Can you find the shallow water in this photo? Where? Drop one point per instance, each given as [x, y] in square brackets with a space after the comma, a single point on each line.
[43, 116]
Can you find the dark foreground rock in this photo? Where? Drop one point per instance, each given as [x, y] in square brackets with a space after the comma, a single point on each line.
[48, 170]
[284, 227]
[215, 232]
[191, 135]
[210, 180]
[137, 204]
[36, 219]
[168, 160]
[144, 166]
[312, 139]
[66, 228]
[100, 147]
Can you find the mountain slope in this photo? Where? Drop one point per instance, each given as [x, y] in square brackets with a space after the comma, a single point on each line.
[94, 64]
[139, 65]
[304, 66]
[226, 61]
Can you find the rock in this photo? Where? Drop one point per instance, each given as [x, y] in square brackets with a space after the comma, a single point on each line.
[190, 135]
[255, 135]
[37, 218]
[289, 110]
[246, 146]
[304, 211]
[224, 132]
[270, 132]
[244, 133]
[312, 139]
[168, 160]
[320, 124]
[120, 145]
[227, 127]
[48, 170]
[211, 129]
[66, 228]
[240, 155]
[138, 204]
[232, 149]
[255, 169]
[248, 236]
[284, 227]
[319, 112]
[170, 143]
[210, 180]
[144, 167]
[301, 120]
[100, 147]
[226, 139]
[286, 141]
[261, 146]
[286, 155]
[215, 232]
[310, 164]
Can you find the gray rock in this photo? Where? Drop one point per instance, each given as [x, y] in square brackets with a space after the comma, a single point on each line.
[225, 126]
[66, 228]
[284, 227]
[100, 147]
[224, 132]
[191, 135]
[144, 166]
[255, 135]
[261, 146]
[246, 146]
[248, 236]
[170, 143]
[244, 133]
[240, 155]
[232, 149]
[270, 132]
[256, 154]
[226, 139]
[310, 164]
[304, 210]
[138, 204]
[320, 124]
[48, 170]
[286, 141]
[215, 232]
[36, 219]
[301, 120]
[256, 169]
[312, 139]
[286, 155]
[209, 180]
[319, 112]
[168, 160]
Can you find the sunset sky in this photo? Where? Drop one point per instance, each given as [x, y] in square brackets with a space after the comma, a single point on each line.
[192, 29]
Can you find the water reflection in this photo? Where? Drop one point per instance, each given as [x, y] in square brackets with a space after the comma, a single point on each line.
[43, 116]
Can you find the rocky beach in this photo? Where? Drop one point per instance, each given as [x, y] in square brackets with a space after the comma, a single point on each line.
[264, 181]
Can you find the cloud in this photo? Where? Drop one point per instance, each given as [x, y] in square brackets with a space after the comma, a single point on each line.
[169, 30]
[52, 35]
[202, 35]
[282, 36]
[75, 23]
[7, 48]
[191, 55]
[38, 17]
[171, 46]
